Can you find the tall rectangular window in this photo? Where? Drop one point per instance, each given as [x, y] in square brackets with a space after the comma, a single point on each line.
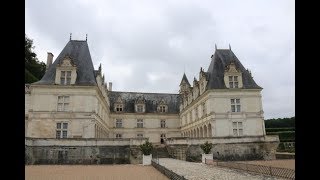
[65, 78]
[235, 105]
[237, 128]
[139, 123]
[233, 81]
[62, 130]
[163, 123]
[118, 123]
[63, 103]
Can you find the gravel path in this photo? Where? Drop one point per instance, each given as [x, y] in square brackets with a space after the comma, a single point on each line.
[199, 171]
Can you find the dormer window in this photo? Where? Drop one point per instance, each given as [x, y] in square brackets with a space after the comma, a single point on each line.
[233, 82]
[162, 108]
[233, 77]
[139, 108]
[65, 77]
[119, 108]
[66, 72]
[140, 105]
[118, 105]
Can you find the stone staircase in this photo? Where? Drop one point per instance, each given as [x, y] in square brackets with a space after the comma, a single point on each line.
[160, 151]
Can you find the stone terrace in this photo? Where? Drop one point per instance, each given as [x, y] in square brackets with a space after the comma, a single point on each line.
[199, 171]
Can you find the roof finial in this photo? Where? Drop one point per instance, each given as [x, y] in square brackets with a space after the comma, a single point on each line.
[70, 36]
[215, 45]
[229, 46]
[86, 37]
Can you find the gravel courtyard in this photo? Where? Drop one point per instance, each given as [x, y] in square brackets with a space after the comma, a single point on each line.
[199, 171]
[92, 172]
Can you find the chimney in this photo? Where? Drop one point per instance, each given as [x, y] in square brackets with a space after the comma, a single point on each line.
[110, 86]
[49, 60]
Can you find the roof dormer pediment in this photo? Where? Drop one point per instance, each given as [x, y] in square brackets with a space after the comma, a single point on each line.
[66, 62]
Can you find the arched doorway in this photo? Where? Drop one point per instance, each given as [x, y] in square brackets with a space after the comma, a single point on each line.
[162, 138]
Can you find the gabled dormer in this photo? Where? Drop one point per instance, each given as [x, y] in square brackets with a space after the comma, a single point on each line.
[232, 76]
[203, 80]
[119, 105]
[184, 86]
[66, 71]
[162, 106]
[140, 105]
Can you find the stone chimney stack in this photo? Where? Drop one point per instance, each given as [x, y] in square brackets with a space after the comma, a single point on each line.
[110, 86]
[49, 60]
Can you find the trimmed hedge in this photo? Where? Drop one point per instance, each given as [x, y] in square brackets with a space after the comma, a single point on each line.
[280, 129]
[284, 135]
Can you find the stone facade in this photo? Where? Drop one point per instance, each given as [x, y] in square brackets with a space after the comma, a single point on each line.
[72, 101]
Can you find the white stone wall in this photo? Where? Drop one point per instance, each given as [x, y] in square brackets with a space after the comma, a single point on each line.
[218, 113]
[87, 115]
[151, 125]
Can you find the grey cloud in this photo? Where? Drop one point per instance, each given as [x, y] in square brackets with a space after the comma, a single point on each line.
[147, 46]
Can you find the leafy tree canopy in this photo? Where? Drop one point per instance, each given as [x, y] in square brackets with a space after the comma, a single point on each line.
[280, 122]
[34, 70]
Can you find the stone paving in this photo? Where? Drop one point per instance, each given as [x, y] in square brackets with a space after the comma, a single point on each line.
[199, 171]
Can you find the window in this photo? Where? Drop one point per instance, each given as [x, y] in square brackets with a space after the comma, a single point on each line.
[63, 103]
[233, 81]
[162, 108]
[163, 123]
[119, 107]
[204, 111]
[139, 123]
[62, 130]
[237, 128]
[139, 108]
[118, 123]
[196, 112]
[118, 136]
[139, 135]
[65, 77]
[235, 105]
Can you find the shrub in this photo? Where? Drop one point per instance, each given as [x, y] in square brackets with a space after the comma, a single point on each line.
[268, 130]
[206, 147]
[146, 148]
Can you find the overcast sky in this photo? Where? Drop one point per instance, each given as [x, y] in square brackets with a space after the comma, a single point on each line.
[146, 46]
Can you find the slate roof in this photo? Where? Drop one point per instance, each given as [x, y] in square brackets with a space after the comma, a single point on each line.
[152, 101]
[220, 59]
[80, 54]
[185, 79]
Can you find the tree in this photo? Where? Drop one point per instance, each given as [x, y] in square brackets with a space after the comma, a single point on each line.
[34, 70]
[280, 122]
[146, 148]
[206, 147]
